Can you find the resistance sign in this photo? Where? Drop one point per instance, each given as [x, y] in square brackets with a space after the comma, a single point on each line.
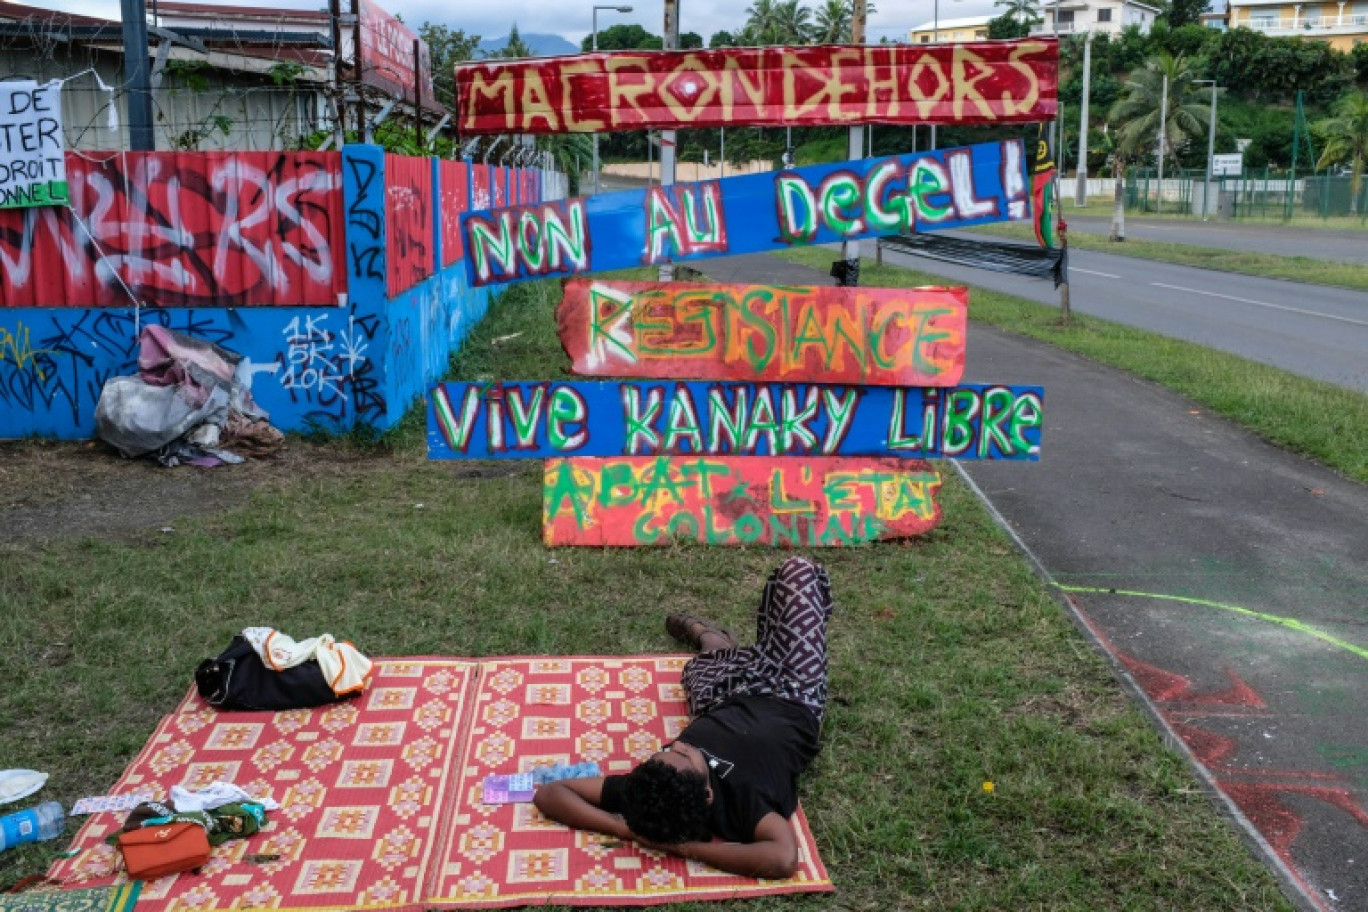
[877, 336]
[737, 501]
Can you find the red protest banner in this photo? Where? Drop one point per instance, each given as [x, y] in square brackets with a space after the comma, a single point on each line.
[737, 500]
[986, 82]
[828, 334]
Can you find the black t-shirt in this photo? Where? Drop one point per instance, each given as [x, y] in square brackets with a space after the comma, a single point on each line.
[756, 748]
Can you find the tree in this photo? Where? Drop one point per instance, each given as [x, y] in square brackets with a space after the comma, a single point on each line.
[793, 22]
[447, 48]
[1023, 11]
[1346, 139]
[1006, 26]
[623, 37]
[1137, 118]
[515, 47]
[833, 22]
[1186, 12]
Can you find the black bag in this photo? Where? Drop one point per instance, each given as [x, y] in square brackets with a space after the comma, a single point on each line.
[239, 679]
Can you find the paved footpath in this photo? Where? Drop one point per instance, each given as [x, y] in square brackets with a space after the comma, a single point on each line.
[1226, 579]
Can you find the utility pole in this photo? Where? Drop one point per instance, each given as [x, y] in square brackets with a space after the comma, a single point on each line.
[137, 76]
[847, 271]
[935, 39]
[1081, 191]
[668, 137]
[1211, 148]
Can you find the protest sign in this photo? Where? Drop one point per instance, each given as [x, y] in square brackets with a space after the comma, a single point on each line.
[32, 153]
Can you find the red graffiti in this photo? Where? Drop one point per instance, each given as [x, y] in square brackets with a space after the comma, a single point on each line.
[482, 187]
[455, 180]
[974, 83]
[410, 255]
[203, 229]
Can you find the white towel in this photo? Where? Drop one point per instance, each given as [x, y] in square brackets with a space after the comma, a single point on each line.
[215, 796]
[344, 668]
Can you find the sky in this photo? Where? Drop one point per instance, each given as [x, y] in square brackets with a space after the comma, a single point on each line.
[572, 19]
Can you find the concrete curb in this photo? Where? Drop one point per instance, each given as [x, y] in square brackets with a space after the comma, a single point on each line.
[1293, 887]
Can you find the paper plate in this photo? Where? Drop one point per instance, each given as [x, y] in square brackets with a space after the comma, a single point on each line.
[16, 784]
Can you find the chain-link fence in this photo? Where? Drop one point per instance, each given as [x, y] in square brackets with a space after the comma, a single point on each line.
[1264, 194]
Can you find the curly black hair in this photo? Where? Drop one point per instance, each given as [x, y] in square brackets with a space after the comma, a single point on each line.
[665, 804]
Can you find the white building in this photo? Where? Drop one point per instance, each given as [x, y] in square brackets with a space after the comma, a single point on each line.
[1100, 17]
[970, 28]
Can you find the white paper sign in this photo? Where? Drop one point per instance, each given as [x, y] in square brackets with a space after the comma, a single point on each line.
[1227, 164]
[32, 148]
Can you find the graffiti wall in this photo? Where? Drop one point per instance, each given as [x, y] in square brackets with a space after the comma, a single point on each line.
[972, 83]
[408, 217]
[284, 225]
[181, 230]
[820, 204]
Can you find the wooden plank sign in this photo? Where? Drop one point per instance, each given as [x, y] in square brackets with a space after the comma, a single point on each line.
[983, 82]
[737, 501]
[538, 420]
[751, 213]
[877, 336]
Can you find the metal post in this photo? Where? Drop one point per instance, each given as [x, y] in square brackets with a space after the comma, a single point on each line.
[418, 91]
[1211, 149]
[1081, 191]
[847, 272]
[935, 39]
[1163, 137]
[593, 43]
[669, 42]
[137, 76]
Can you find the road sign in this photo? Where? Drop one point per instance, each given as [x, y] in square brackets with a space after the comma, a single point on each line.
[1227, 164]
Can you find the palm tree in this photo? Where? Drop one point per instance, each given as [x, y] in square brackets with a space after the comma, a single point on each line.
[1023, 11]
[1137, 118]
[1346, 138]
[761, 18]
[833, 22]
[793, 22]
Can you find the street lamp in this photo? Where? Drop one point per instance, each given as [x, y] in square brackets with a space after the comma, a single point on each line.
[594, 45]
[935, 39]
[1211, 148]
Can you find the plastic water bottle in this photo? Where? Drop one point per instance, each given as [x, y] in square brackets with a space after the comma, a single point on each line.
[46, 821]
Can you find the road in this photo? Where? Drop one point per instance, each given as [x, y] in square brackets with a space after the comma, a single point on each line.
[1344, 246]
[1312, 330]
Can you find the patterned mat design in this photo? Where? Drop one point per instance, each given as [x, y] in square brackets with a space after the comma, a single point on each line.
[361, 785]
[531, 712]
[381, 796]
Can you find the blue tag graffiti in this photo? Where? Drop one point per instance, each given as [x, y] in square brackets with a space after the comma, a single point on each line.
[532, 420]
[949, 188]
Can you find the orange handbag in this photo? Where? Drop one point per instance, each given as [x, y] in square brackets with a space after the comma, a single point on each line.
[162, 849]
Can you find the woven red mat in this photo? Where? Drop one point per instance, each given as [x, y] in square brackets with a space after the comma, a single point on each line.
[381, 796]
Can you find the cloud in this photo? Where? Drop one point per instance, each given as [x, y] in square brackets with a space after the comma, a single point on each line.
[572, 19]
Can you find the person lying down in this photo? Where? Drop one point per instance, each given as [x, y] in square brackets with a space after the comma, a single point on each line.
[732, 773]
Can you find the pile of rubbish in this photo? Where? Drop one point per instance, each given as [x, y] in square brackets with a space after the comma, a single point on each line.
[188, 404]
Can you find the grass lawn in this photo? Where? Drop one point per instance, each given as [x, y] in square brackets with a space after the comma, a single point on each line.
[1247, 215]
[1319, 420]
[1292, 268]
[952, 666]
